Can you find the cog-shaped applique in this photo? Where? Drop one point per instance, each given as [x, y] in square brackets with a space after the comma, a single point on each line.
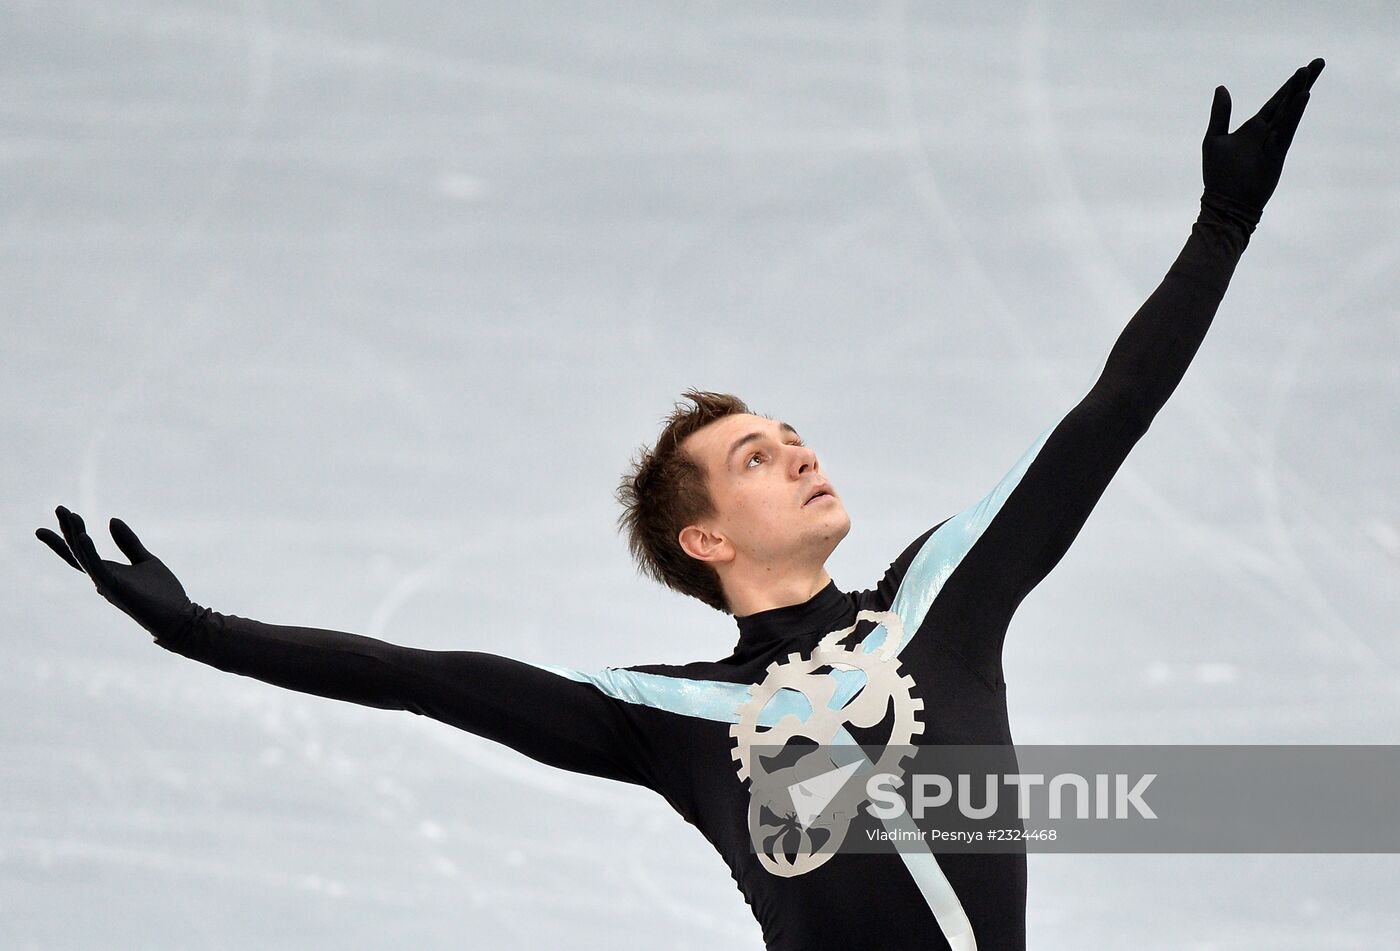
[771, 807]
[883, 684]
[889, 620]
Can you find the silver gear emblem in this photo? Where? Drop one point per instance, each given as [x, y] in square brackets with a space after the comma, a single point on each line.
[884, 684]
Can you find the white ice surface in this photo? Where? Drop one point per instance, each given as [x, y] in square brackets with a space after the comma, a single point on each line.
[355, 313]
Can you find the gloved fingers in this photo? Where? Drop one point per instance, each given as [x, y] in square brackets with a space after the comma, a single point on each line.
[70, 531]
[1314, 68]
[75, 533]
[1300, 82]
[1289, 115]
[1219, 113]
[128, 542]
[48, 537]
[1288, 118]
[1270, 108]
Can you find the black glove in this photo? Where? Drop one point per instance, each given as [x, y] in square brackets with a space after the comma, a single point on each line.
[1244, 166]
[144, 589]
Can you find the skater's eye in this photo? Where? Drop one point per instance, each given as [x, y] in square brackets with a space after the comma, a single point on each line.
[759, 455]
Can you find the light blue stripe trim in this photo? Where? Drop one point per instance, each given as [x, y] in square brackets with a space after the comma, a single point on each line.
[707, 699]
[924, 869]
[945, 549]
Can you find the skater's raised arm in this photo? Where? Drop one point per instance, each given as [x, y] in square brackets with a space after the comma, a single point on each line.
[1023, 527]
[1240, 171]
[544, 715]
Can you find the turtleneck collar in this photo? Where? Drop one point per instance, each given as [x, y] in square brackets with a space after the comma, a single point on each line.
[822, 613]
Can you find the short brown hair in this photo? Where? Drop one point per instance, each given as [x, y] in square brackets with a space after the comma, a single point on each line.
[664, 491]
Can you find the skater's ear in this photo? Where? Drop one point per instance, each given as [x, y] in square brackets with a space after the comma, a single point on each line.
[665, 490]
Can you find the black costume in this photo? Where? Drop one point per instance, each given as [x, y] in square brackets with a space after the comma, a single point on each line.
[937, 619]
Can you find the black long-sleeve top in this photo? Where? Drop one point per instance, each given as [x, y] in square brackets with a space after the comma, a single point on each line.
[939, 614]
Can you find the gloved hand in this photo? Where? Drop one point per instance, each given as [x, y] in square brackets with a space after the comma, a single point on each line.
[145, 589]
[1245, 165]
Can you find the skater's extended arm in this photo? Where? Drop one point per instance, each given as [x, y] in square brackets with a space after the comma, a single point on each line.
[546, 716]
[1023, 527]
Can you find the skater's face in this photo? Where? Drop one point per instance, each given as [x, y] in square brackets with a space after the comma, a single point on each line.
[773, 503]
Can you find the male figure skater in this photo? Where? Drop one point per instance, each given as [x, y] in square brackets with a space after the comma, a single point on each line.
[733, 509]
